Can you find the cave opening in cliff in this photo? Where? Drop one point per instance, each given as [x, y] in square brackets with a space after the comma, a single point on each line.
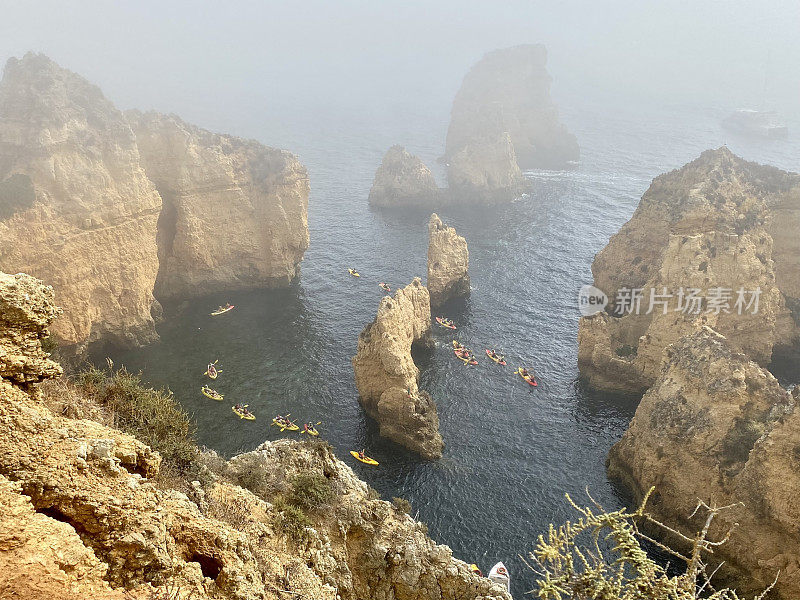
[209, 566]
[58, 515]
[166, 230]
[422, 353]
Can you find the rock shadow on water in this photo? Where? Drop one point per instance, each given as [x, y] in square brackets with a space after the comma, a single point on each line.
[606, 410]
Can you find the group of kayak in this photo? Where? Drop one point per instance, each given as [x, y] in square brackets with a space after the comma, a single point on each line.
[284, 423]
[385, 287]
[466, 356]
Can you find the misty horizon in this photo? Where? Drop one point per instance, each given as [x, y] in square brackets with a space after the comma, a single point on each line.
[228, 71]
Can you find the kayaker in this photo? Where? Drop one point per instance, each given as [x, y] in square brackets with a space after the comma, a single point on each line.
[308, 427]
[361, 455]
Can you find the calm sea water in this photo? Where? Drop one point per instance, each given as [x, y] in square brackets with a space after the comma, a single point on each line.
[512, 452]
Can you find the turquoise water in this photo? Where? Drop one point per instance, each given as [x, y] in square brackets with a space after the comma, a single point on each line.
[511, 451]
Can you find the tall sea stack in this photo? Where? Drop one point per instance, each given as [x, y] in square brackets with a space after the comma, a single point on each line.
[387, 378]
[508, 91]
[448, 263]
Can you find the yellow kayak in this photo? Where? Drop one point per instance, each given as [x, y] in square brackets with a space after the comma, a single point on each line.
[244, 414]
[212, 371]
[366, 460]
[209, 393]
[310, 430]
[284, 426]
[222, 310]
[498, 358]
[354, 273]
[530, 377]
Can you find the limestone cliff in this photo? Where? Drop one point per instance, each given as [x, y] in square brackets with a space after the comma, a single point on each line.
[234, 213]
[508, 90]
[485, 171]
[76, 207]
[719, 223]
[402, 181]
[717, 427]
[86, 513]
[387, 378]
[80, 205]
[448, 263]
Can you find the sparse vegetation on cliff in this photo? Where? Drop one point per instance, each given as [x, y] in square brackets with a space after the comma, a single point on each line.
[152, 416]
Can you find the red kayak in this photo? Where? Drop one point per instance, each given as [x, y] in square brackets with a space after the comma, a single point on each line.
[500, 360]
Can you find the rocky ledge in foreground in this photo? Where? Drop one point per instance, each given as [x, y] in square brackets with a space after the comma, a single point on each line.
[387, 378]
[403, 181]
[717, 427]
[448, 263]
[86, 511]
[720, 229]
[117, 212]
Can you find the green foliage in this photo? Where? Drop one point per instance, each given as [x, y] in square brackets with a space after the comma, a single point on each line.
[310, 492]
[251, 474]
[599, 557]
[625, 351]
[402, 505]
[290, 519]
[153, 416]
[740, 440]
[49, 344]
[16, 194]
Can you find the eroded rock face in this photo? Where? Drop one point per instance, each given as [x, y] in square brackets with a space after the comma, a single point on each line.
[76, 207]
[717, 427]
[41, 557]
[235, 211]
[26, 311]
[508, 90]
[402, 181]
[369, 548]
[485, 171]
[717, 223]
[386, 376]
[448, 263]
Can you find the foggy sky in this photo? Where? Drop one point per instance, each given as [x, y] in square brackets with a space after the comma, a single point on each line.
[200, 59]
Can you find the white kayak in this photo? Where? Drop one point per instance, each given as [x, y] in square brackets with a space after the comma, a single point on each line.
[499, 574]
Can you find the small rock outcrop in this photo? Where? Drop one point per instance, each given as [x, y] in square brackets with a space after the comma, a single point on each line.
[76, 207]
[26, 311]
[508, 90]
[720, 229]
[387, 378]
[485, 171]
[448, 263]
[84, 512]
[716, 427]
[234, 211]
[402, 181]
